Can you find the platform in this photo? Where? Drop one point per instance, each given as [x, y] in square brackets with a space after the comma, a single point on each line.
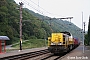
[78, 54]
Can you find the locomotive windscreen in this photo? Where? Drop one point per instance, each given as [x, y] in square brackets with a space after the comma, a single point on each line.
[66, 33]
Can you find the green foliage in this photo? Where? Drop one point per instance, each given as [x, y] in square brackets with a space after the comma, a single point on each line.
[57, 25]
[33, 37]
[86, 39]
[2, 3]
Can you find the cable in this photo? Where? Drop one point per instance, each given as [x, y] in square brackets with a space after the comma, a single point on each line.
[33, 7]
[45, 10]
[39, 10]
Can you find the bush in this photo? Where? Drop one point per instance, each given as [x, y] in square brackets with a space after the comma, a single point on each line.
[32, 37]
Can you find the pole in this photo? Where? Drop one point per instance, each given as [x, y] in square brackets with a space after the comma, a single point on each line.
[84, 27]
[83, 37]
[82, 32]
[70, 19]
[45, 37]
[20, 25]
[51, 25]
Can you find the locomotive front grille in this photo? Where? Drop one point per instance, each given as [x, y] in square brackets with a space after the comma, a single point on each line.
[56, 49]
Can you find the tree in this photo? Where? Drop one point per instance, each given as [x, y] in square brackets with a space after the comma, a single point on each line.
[86, 39]
[89, 32]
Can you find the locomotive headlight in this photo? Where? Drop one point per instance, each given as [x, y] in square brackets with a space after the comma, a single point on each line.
[60, 43]
[56, 43]
[52, 43]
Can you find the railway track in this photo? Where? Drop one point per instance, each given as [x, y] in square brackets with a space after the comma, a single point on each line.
[48, 56]
[38, 55]
[25, 56]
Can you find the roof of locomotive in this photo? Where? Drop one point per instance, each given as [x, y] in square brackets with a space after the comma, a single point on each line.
[68, 33]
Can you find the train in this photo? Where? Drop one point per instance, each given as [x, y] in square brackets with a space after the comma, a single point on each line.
[62, 42]
[76, 42]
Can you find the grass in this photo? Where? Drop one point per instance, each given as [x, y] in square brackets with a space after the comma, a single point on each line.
[32, 43]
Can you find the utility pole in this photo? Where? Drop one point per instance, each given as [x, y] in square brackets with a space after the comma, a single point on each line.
[51, 25]
[83, 37]
[83, 30]
[20, 25]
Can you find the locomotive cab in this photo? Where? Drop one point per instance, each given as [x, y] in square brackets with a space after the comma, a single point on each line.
[58, 42]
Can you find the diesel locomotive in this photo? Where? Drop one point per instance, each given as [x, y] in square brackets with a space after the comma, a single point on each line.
[61, 42]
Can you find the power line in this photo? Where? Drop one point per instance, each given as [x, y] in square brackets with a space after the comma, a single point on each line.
[33, 7]
[46, 10]
[39, 9]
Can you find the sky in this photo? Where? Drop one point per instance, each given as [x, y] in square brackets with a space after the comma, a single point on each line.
[61, 8]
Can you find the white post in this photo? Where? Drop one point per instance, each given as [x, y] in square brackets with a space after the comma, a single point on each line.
[82, 32]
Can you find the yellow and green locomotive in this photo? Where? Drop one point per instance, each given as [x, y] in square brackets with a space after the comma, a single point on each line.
[60, 42]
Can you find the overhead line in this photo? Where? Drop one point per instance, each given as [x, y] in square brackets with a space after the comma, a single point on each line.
[46, 10]
[33, 7]
[42, 9]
